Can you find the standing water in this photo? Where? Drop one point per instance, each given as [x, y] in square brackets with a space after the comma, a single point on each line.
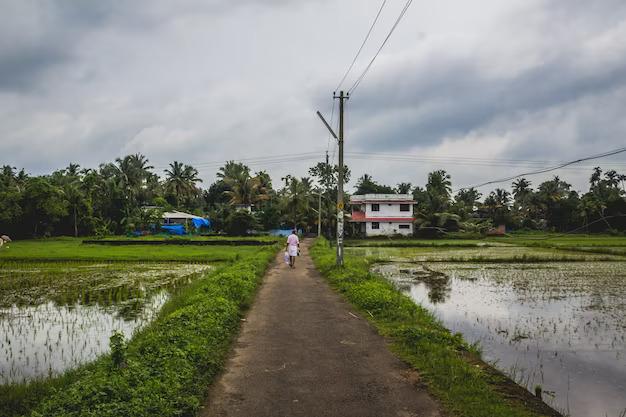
[54, 317]
[560, 326]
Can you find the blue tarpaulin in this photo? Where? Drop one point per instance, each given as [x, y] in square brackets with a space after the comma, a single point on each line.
[200, 222]
[282, 232]
[174, 229]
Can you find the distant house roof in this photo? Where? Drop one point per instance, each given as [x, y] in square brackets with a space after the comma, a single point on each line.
[382, 198]
[179, 215]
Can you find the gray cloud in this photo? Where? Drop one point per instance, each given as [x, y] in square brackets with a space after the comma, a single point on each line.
[452, 95]
[205, 81]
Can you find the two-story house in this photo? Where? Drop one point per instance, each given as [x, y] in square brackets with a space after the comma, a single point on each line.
[383, 214]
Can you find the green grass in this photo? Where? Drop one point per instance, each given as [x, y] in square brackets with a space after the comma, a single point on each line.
[557, 239]
[195, 238]
[420, 243]
[497, 254]
[540, 239]
[72, 249]
[420, 339]
[548, 247]
[168, 365]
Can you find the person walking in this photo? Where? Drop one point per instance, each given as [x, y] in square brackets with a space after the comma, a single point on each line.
[293, 247]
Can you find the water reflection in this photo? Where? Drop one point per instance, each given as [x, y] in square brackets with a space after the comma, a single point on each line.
[406, 275]
[72, 324]
[560, 325]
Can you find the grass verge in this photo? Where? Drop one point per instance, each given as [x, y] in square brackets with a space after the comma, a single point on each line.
[450, 367]
[167, 366]
[72, 249]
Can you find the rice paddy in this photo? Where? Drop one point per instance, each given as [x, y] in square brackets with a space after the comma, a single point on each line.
[553, 318]
[497, 254]
[55, 316]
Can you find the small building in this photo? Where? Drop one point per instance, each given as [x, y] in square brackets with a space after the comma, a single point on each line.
[382, 214]
[178, 217]
[178, 222]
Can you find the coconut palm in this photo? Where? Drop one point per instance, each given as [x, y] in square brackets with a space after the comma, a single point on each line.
[404, 188]
[181, 181]
[233, 169]
[439, 187]
[521, 188]
[296, 201]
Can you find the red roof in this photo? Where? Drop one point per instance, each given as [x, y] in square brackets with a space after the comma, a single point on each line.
[359, 216]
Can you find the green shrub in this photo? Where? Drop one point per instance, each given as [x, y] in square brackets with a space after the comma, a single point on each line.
[373, 296]
[117, 344]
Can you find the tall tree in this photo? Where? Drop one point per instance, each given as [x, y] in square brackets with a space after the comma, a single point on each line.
[367, 185]
[466, 201]
[43, 205]
[404, 188]
[296, 199]
[439, 188]
[69, 180]
[180, 182]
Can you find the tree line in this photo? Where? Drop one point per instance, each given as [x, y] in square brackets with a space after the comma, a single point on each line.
[552, 206]
[127, 195]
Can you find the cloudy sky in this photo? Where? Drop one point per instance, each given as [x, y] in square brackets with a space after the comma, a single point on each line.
[482, 89]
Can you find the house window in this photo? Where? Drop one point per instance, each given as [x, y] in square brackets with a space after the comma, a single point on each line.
[375, 225]
[405, 226]
[375, 207]
[405, 207]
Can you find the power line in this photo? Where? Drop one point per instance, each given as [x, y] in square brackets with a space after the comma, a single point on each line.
[542, 171]
[457, 160]
[254, 159]
[454, 158]
[487, 162]
[369, 32]
[393, 28]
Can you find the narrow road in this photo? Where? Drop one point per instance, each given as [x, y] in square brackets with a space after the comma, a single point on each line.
[303, 352]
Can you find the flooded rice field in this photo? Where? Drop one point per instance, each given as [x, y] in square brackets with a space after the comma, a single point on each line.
[56, 316]
[487, 254]
[559, 325]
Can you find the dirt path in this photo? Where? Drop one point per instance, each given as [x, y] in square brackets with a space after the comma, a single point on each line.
[304, 352]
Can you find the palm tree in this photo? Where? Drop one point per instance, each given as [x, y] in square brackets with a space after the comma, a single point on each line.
[439, 187]
[465, 201]
[243, 190]
[73, 191]
[233, 169]
[502, 197]
[404, 188]
[297, 198]
[181, 181]
[132, 171]
[521, 188]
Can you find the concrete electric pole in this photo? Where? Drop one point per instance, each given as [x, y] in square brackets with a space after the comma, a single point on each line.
[340, 175]
[340, 204]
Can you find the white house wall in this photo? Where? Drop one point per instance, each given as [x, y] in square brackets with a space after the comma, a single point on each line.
[388, 228]
[388, 210]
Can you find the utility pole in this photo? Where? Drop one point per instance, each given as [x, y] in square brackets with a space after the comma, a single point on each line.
[319, 215]
[342, 97]
[340, 205]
